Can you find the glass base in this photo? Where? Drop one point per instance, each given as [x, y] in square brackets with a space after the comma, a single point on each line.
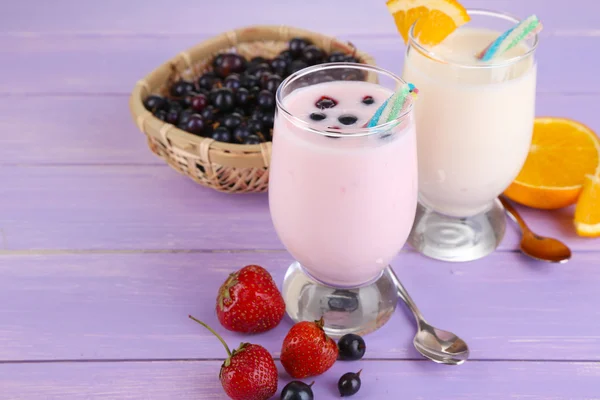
[456, 239]
[345, 310]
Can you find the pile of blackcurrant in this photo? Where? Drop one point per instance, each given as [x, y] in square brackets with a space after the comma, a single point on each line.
[234, 102]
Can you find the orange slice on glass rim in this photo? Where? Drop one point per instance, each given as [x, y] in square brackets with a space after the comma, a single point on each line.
[435, 19]
[561, 154]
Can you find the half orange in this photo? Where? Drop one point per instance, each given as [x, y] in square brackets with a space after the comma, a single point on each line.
[435, 19]
[562, 153]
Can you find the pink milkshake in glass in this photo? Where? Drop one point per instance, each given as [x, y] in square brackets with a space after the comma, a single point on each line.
[342, 197]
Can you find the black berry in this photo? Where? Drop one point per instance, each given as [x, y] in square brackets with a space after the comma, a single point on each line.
[266, 100]
[296, 66]
[199, 102]
[268, 120]
[325, 102]
[249, 81]
[161, 114]
[286, 55]
[195, 124]
[222, 134]
[256, 114]
[209, 114]
[155, 102]
[224, 99]
[347, 119]
[257, 60]
[241, 133]
[255, 125]
[336, 56]
[242, 97]
[230, 64]
[232, 82]
[272, 83]
[351, 347]
[259, 70]
[297, 45]
[181, 88]
[184, 117]
[172, 116]
[318, 116]
[312, 55]
[208, 80]
[349, 384]
[368, 100]
[232, 121]
[297, 390]
[279, 66]
[252, 139]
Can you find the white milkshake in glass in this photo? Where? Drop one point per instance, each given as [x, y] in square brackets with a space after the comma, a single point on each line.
[474, 128]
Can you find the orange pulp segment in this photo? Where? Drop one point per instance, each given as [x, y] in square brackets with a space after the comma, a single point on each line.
[587, 210]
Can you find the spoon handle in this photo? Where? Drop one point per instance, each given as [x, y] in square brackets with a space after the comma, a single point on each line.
[514, 214]
[406, 297]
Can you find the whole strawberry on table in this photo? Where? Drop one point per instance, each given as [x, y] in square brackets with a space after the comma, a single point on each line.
[249, 302]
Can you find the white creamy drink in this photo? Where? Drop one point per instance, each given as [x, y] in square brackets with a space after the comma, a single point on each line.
[474, 122]
[474, 125]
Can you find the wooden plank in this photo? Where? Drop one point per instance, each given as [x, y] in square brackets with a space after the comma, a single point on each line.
[113, 64]
[380, 380]
[189, 16]
[132, 207]
[135, 306]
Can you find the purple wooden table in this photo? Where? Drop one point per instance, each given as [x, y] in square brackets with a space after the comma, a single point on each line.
[104, 250]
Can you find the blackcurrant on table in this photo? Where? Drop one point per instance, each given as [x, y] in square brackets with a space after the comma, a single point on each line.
[104, 250]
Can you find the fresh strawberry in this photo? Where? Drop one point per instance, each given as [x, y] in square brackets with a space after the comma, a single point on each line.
[249, 301]
[307, 350]
[248, 373]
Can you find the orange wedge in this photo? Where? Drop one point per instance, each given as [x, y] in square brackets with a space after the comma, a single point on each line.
[562, 153]
[435, 19]
[587, 210]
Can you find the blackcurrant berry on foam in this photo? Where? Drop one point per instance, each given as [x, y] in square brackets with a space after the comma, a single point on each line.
[155, 102]
[318, 116]
[325, 102]
[351, 347]
[368, 100]
[349, 384]
[347, 119]
[297, 390]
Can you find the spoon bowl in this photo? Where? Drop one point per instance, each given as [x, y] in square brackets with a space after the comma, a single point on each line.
[536, 246]
[440, 346]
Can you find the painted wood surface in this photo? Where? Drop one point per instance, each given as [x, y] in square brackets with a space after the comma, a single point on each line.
[380, 380]
[104, 250]
[135, 306]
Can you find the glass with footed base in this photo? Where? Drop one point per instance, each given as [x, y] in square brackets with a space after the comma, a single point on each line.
[342, 197]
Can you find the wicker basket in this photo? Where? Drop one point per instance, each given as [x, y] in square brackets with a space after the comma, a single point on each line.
[232, 168]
